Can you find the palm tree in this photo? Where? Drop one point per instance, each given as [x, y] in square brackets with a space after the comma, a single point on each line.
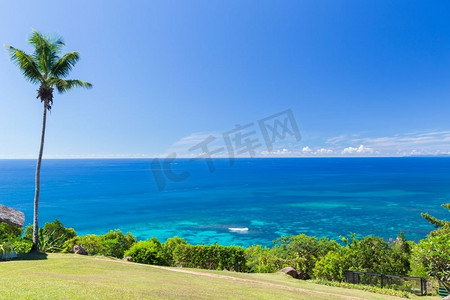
[48, 69]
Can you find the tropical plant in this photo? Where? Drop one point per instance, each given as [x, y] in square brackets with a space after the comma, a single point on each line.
[263, 260]
[8, 231]
[52, 236]
[169, 247]
[302, 252]
[433, 253]
[114, 243]
[6, 250]
[211, 257]
[368, 254]
[147, 252]
[49, 69]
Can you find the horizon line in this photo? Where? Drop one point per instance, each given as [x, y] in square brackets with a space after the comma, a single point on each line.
[246, 157]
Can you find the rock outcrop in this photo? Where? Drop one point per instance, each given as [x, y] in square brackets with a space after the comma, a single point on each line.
[77, 249]
[290, 271]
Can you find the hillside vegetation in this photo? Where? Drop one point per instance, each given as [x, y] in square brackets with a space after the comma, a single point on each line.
[68, 276]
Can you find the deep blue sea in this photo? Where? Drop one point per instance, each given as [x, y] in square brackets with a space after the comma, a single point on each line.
[271, 196]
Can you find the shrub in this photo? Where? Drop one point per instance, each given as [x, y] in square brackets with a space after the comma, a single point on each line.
[433, 254]
[372, 254]
[302, 252]
[52, 236]
[262, 260]
[22, 245]
[211, 257]
[441, 231]
[114, 243]
[90, 242]
[169, 247]
[147, 252]
[369, 254]
[8, 232]
[6, 250]
[333, 265]
[400, 256]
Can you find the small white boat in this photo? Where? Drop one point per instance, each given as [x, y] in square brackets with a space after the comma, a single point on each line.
[238, 229]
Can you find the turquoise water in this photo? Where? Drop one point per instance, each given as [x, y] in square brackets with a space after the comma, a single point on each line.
[271, 197]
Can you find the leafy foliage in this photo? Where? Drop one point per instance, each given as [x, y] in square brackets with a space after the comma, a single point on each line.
[52, 236]
[147, 252]
[90, 242]
[169, 247]
[114, 243]
[46, 66]
[8, 232]
[302, 252]
[435, 221]
[6, 250]
[333, 265]
[211, 257]
[431, 257]
[263, 260]
[433, 254]
[10, 240]
[368, 254]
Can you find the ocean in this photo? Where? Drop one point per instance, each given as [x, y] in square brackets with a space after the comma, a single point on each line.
[328, 197]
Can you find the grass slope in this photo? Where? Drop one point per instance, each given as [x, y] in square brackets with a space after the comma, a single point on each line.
[67, 276]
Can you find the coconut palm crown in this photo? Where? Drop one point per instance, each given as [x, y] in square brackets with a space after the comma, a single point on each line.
[49, 69]
[46, 67]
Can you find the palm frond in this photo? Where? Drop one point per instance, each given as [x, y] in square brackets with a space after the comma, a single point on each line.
[26, 63]
[46, 50]
[63, 85]
[64, 65]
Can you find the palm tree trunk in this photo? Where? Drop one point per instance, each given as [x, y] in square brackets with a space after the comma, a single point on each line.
[37, 190]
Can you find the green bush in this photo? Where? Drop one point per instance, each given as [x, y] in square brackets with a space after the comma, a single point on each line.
[369, 254]
[441, 231]
[433, 254]
[333, 265]
[22, 245]
[52, 236]
[6, 249]
[90, 242]
[400, 256]
[114, 243]
[263, 260]
[10, 240]
[302, 252]
[169, 247]
[211, 257]
[147, 252]
[8, 232]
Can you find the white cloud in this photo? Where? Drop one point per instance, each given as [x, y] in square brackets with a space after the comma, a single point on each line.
[324, 151]
[435, 142]
[360, 150]
[306, 149]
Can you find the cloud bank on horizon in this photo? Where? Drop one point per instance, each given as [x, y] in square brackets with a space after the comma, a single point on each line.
[430, 143]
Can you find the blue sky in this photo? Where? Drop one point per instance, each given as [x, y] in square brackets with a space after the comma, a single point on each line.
[363, 78]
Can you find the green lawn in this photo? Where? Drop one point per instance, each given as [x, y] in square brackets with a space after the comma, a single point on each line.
[62, 276]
